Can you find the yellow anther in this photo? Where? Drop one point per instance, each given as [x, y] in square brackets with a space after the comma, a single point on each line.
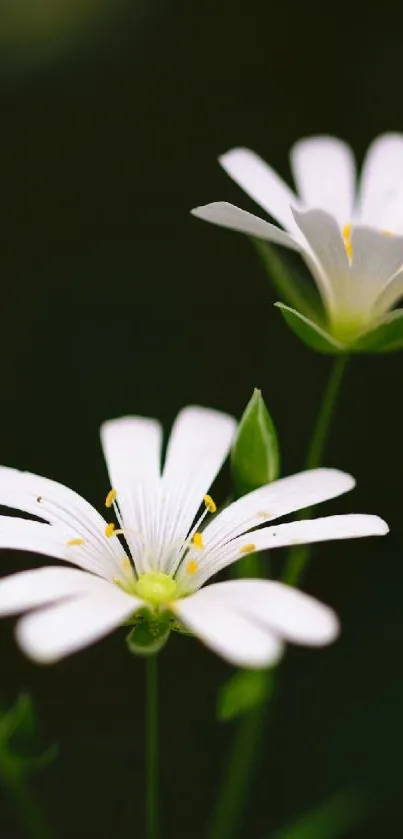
[248, 549]
[197, 540]
[109, 530]
[192, 566]
[263, 515]
[126, 565]
[72, 542]
[347, 239]
[210, 504]
[110, 498]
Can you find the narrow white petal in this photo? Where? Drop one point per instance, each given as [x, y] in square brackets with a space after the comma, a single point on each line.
[324, 172]
[309, 531]
[236, 636]
[30, 589]
[280, 498]
[72, 515]
[132, 449]
[227, 215]
[287, 612]
[390, 295]
[199, 443]
[376, 258]
[263, 184]
[325, 242]
[50, 634]
[380, 201]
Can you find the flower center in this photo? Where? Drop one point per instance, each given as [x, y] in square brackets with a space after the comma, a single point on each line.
[156, 587]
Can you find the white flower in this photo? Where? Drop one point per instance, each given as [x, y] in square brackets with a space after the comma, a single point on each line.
[167, 558]
[351, 238]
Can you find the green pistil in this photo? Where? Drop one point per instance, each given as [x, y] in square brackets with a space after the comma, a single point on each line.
[156, 588]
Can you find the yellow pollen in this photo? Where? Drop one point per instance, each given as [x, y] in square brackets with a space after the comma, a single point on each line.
[248, 549]
[126, 565]
[192, 566]
[210, 504]
[197, 540]
[263, 515]
[347, 239]
[110, 498]
[109, 530]
[73, 542]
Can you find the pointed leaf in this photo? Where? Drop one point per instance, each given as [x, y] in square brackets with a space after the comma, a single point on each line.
[255, 456]
[293, 288]
[244, 692]
[386, 336]
[310, 333]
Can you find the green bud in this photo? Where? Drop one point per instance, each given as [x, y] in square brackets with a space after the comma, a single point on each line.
[255, 456]
[149, 634]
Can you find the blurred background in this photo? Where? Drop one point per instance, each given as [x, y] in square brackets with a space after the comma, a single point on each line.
[114, 300]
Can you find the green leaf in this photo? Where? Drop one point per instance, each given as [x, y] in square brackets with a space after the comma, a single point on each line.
[244, 692]
[313, 335]
[386, 336]
[329, 820]
[148, 635]
[255, 455]
[294, 289]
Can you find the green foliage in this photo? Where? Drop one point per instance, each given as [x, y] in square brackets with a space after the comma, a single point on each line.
[18, 730]
[149, 634]
[244, 692]
[329, 820]
[292, 288]
[255, 455]
[313, 335]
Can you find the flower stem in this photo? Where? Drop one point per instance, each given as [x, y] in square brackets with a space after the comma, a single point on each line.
[298, 556]
[245, 751]
[152, 749]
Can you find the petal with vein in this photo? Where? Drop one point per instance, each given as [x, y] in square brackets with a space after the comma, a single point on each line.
[132, 449]
[376, 259]
[30, 589]
[263, 184]
[390, 295]
[324, 172]
[325, 529]
[287, 612]
[199, 443]
[52, 633]
[324, 238]
[221, 625]
[227, 215]
[380, 201]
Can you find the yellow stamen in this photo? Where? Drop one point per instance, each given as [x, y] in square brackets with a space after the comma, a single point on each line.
[192, 566]
[210, 504]
[347, 239]
[263, 515]
[110, 498]
[126, 565]
[73, 542]
[197, 540]
[248, 549]
[109, 530]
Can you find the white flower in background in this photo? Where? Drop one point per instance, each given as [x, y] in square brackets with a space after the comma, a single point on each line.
[350, 236]
[164, 558]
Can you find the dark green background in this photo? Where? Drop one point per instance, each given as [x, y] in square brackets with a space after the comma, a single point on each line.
[114, 300]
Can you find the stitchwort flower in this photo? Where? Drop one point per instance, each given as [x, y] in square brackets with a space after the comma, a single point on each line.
[351, 239]
[149, 567]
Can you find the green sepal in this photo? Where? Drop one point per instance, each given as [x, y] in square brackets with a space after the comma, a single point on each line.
[255, 455]
[292, 287]
[313, 335]
[246, 691]
[329, 820]
[149, 633]
[385, 336]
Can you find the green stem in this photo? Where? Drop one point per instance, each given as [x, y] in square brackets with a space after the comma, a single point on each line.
[152, 749]
[28, 809]
[298, 556]
[231, 803]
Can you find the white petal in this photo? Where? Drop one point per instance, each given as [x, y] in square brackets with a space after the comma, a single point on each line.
[213, 615]
[30, 589]
[72, 515]
[324, 172]
[263, 184]
[132, 449]
[390, 295]
[380, 200]
[376, 258]
[280, 498]
[53, 633]
[295, 533]
[287, 612]
[325, 241]
[199, 443]
[227, 215]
